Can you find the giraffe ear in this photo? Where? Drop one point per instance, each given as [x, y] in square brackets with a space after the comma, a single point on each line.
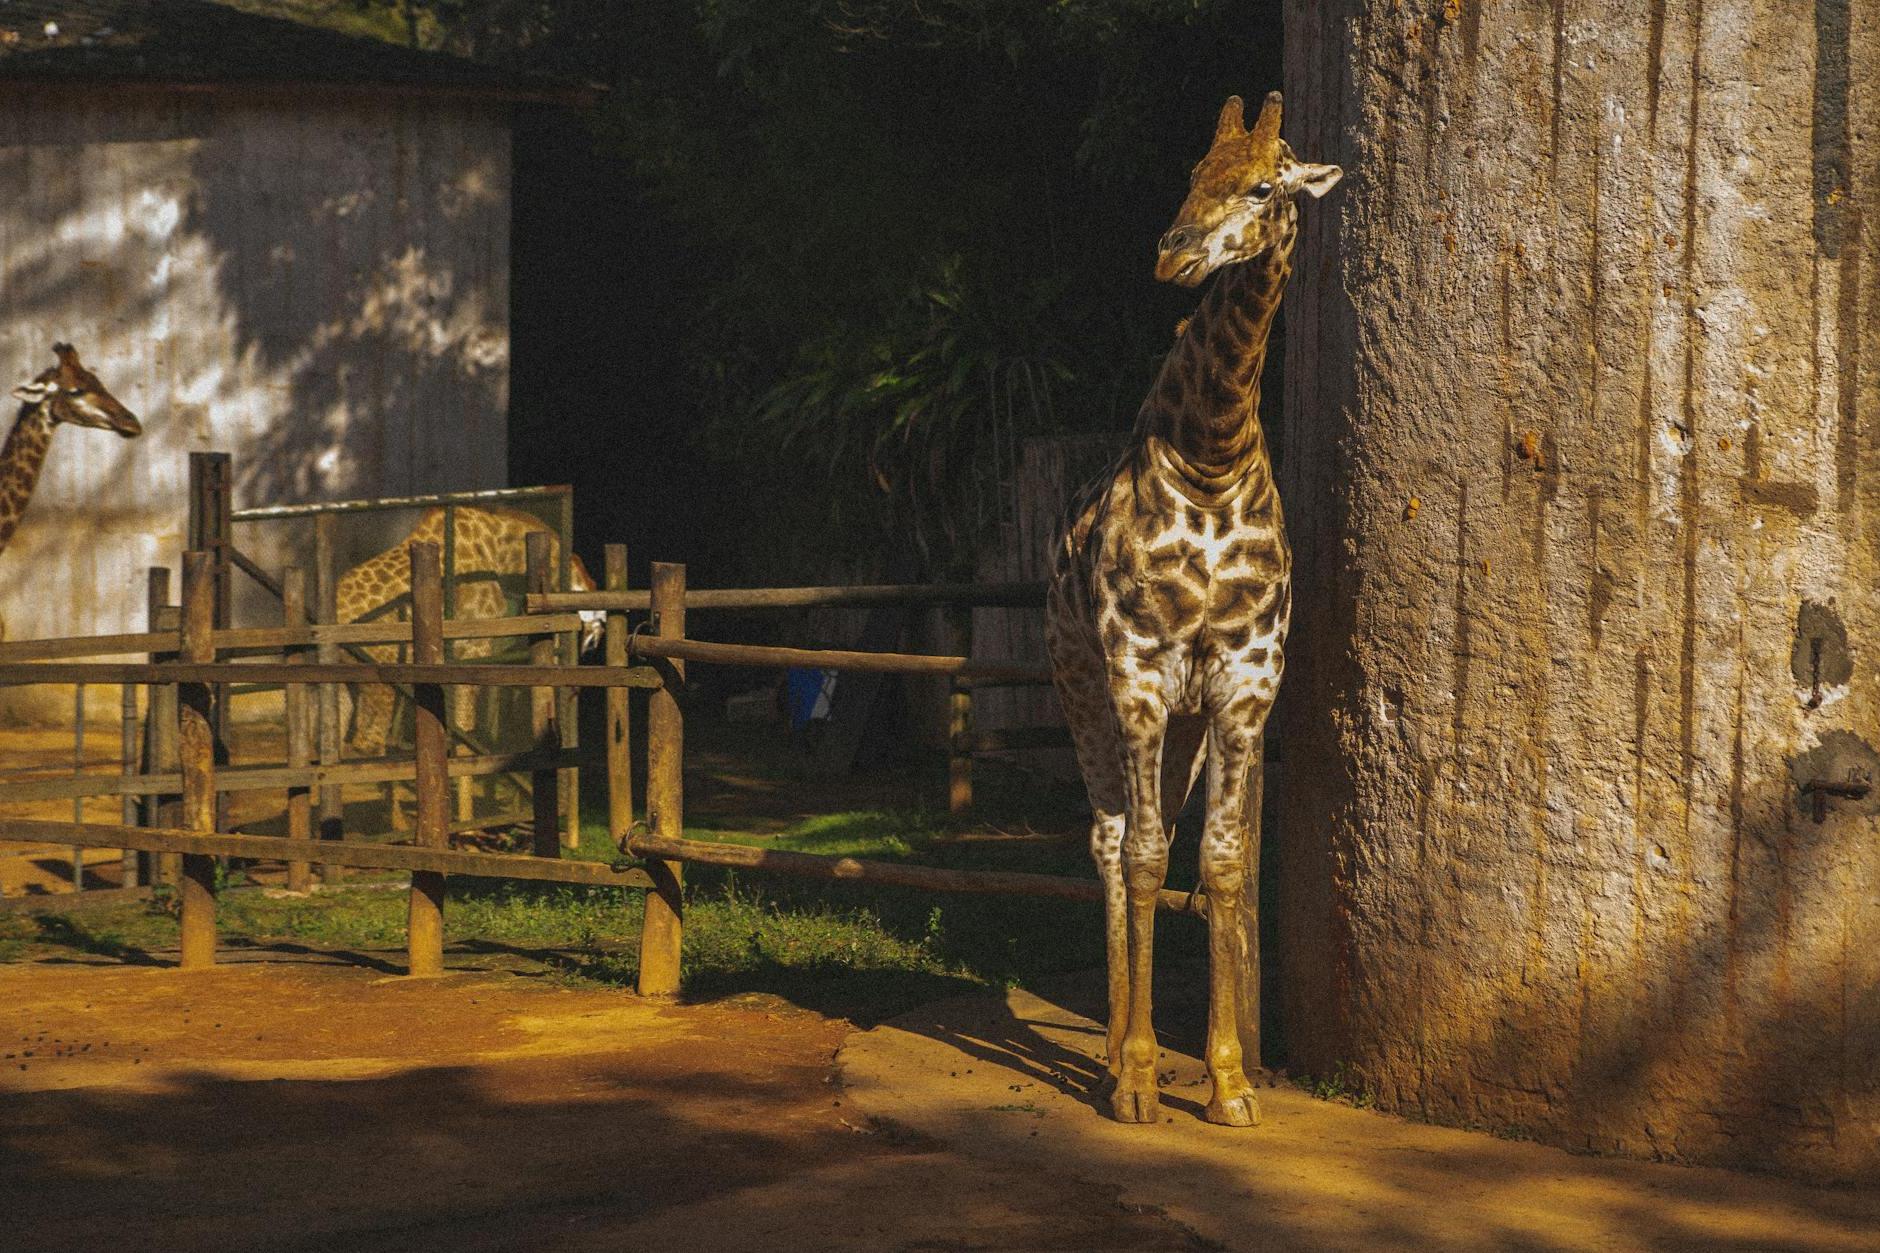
[1314, 180]
[34, 392]
[1231, 124]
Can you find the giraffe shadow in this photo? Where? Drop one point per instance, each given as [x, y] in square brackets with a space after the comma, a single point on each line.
[989, 1032]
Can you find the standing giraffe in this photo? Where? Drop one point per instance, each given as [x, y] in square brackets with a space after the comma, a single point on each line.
[488, 544]
[1169, 599]
[68, 393]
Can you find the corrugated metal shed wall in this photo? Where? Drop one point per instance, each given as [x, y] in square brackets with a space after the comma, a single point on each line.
[317, 286]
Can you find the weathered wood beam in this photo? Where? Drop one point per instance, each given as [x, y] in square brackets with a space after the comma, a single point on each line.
[1012, 595]
[331, 852]
[895, 874]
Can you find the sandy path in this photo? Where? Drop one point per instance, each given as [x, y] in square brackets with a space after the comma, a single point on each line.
[1018, 1079]
[306, 1103]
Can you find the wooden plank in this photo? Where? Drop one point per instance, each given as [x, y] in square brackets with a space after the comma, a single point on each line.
[960, 762]
[332, 810]
[90, 646]
[268, 848]
[567, 699]
[297, 711]
[931, 878]
[813, 658]
[128, 874]
[619, 732]
[268, 778]
[195, 738]
[349, 672]
[379, 504]
[662, 931]
[545, 798]
[1007, 739]
[965, 594]
[424, 931]
[250, 640]
[162, 809]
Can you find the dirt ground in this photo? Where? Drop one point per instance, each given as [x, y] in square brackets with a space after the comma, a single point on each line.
[299, 1100]
[305, 1101]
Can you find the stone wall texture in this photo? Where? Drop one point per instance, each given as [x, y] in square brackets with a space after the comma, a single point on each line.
[1583, 478]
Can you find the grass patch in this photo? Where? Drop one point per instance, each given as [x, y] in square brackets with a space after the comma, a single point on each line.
[859, 950]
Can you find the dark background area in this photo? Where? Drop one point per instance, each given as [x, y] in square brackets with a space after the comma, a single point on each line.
[781, 294]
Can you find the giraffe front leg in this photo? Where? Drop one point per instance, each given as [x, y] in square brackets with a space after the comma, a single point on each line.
[1142, 722]
[1106, 849]
[1225, 844]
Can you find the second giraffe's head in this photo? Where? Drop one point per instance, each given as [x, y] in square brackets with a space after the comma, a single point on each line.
[68, 392]
[1240, 198]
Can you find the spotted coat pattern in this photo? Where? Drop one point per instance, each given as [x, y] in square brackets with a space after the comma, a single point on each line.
[489, 544]
[1170, 597]
[67, 393]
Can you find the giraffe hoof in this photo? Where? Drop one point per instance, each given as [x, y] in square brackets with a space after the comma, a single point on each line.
[1240, 1109]
[1136, 1103]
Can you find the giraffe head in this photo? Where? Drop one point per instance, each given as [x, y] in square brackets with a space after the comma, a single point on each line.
[1240, 198]
[68, 392]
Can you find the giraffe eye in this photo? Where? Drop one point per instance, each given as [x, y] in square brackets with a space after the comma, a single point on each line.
[1261, 190]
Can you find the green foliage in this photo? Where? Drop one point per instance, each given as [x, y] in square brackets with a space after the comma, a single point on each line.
[912, 232]
[925, 232]
[1344, 1085]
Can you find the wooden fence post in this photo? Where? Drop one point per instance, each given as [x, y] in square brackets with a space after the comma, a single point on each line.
[568, 733]
[960, 748]
[195, 736]
[567, 699]
[160, 721]
[326, 611]
[211, 530]
[130, 864]
[424, 937]
[662, 933]
[299, 728]
[543, 784]
[619, 733]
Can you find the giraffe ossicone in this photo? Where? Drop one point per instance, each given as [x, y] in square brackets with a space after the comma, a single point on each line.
[1169, 599]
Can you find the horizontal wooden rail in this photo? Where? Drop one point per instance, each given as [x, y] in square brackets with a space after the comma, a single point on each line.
[265, 778]
[989, 595]
[330, 852]
[277, 672]
[820, 658]
[274, 639]
[1036, 676]
[1009, 739]
[895, 874]
[548, 492]
[91, 646]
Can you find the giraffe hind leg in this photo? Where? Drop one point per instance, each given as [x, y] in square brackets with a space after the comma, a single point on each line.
[1077, 667]
[1229, 835]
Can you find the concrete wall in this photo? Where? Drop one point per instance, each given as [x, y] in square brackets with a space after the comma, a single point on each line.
[1583, 479]
[316, 285]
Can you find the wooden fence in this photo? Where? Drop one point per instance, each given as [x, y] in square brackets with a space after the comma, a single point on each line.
[191, 661]
[966, 676]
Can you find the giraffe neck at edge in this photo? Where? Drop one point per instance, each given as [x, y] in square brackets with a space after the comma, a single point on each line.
[1205, 409]
[21, 460]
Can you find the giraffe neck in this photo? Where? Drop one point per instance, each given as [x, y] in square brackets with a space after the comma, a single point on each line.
[1203, 417]
[21, 460]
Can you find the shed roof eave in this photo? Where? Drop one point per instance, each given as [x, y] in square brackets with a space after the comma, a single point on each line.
[565, 97]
